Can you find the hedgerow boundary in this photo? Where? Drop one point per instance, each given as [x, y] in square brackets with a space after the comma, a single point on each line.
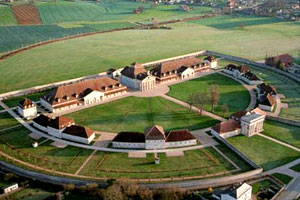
[14, 52]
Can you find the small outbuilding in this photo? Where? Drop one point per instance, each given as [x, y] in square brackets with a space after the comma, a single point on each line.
[27, 109]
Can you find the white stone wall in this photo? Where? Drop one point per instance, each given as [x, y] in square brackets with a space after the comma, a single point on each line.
[188, 73]
[55, 132]
[131, 83]
[155, 144]
[227, 71]
[93, 97]
[266, 108]
[214, 64]
[42, 128]
[127, 145]
[11, 188]
[46, 104]
[27, 112]
[181, 143]
[78, 139]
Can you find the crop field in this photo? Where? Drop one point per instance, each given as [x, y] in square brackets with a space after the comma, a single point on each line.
[283, 132]
[193, 163]
[6, 16]
[264, 152]
[285, 86]
[18, 144]
[135, 114]
[97, 53]
[231, 92]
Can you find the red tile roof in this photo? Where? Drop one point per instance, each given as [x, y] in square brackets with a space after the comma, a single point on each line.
[79, 131]
[225, 127]
[179, 135]
[155, 133]
[61, 122]
[42, 120]
[238, 115]
[135, 71]
[26, 103]
[130, 137]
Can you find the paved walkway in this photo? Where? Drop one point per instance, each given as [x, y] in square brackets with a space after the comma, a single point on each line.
[194, 108]
[85, 162]
[250, 89]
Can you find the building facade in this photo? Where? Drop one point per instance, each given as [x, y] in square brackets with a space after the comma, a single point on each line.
[27, 109]
[243, 73]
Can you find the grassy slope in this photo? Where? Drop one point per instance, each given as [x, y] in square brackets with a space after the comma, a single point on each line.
[265, 153]
[6, 16]
[89, 55]
[135, 114]
[231, 92]
[288, 88]
[191, 159]
[286, 133]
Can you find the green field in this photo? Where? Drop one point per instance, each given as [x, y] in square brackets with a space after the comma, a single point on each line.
[31, 194]
[285, 86]
[296, 168]
[194, 162]
[6, 16]
[285, 133]
[284, 178]
[231, 92]
[97, 53]
[264, 152]
[18, 144]
[13, 102]
[256, 187]
[135, 114]
[6, 121]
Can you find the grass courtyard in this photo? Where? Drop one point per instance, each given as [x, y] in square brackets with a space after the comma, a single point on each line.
[135, 114]
[97, 53]
[264, 152]
[283, 132]
[6, 121]
[231, 92]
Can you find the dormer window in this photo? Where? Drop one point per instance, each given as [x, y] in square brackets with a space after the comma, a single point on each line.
[103, 87]
[111, 86]
[74, 94]
[57, 99]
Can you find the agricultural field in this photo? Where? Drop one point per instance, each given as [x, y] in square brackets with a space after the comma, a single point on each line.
[285, 86]
[135, 114]
[18, 144]
[97, 53]
[6, 16]
[283, 132]
[255, 149]
[231, 92]
[193, 163]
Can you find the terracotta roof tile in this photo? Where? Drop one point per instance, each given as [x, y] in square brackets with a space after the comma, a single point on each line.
[25, 103]
[155, 133]
[130, 137]
[79, 131]
[42, 120]
[225, 127]
[61, 122]
[179, 135]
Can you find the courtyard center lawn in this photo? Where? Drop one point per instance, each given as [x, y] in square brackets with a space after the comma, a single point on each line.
[283, 132]
[6, 121]
[264, 152]
[193, 163]
[68, 159]
[231, 92]
[97, 53]
[135, 114]
[256, 187]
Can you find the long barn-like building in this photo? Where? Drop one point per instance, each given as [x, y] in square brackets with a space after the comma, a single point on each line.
[82, 93]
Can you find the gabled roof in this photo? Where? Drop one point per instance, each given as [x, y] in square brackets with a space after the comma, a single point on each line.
[227, 126]
[284, 58]
[155, 133]
[42, 120]
[210, 58]
[135, 71]
[257, 110]
[79, 131]
[267, 100]
[61, 122]
[130, 137]
[68, 93]
[243, 68]
[252, 77]
[238, 115]
[267, 89]
[231, 67]
[25, 103]
[179, 135]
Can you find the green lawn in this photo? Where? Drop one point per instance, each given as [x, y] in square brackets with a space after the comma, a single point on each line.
[6, 121]
[31, 194]
[261, 184]
[135, 114]
[194, 162]
[68, 159]
[284, 178]
[6, 16]
[13, 102]
[285, 86]
[296, 168]
[264, 152]
[97, 53]
[283, 132]
[231, 92]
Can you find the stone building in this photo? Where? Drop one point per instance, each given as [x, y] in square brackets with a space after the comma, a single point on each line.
[136, 77]
[284, 60]
[79, 134]
[241, 192]
[57, 125]
[86, 92]
[243, 73]
[27, 109]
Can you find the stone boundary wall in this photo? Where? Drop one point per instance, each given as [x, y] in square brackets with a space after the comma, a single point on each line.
[284, 121]
[256, 64]
[244, 157]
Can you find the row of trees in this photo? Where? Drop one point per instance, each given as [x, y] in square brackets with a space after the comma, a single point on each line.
[211, 97]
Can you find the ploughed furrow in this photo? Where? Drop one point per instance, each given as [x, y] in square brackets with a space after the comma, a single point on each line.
[26, 14]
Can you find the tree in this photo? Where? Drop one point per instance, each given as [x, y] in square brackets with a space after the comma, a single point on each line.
[200, 100]
[214, 96]
[141, 8]
[224, 109]
[191, 100]
[113, 192]
[69, 187]
[144, 194]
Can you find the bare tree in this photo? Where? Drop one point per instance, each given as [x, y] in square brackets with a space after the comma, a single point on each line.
[214, 96]
[200, 100]
[224, 109]
[113, 192]
[191, 100]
